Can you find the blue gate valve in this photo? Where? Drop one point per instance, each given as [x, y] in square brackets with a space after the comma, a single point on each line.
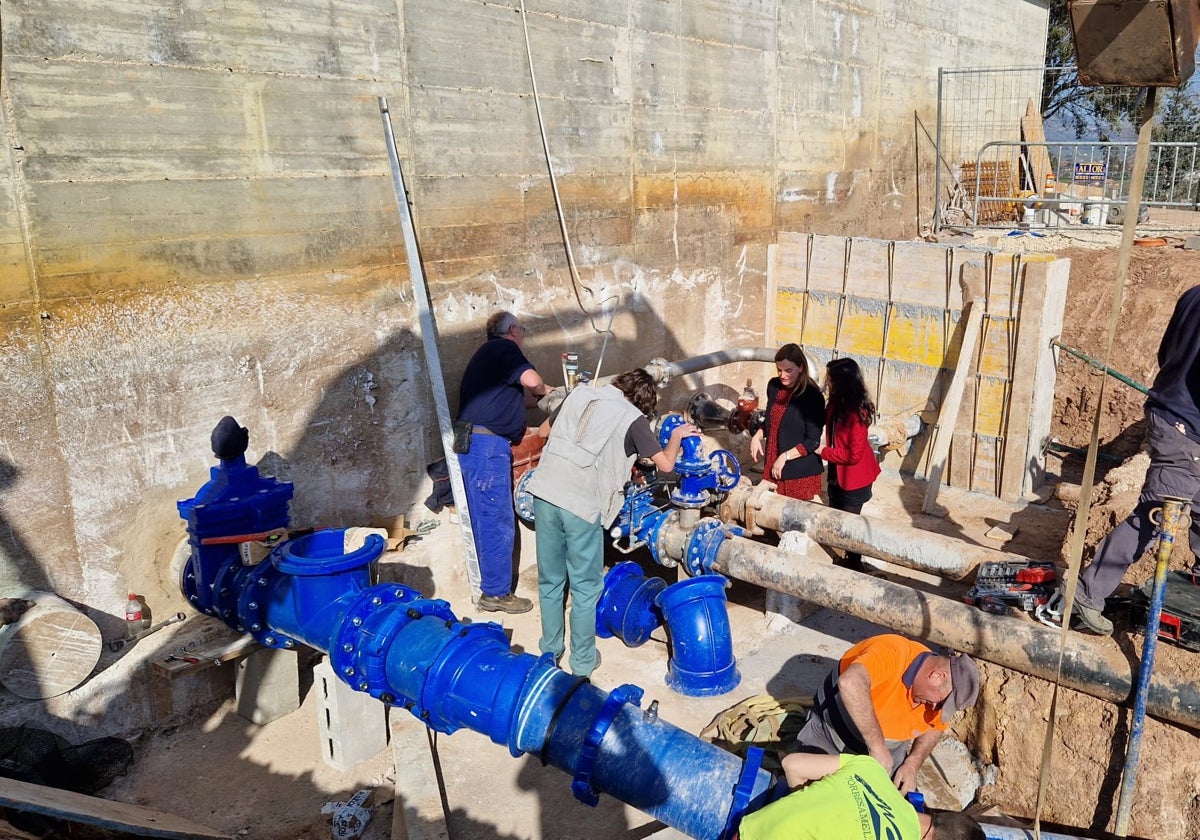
[701, 478]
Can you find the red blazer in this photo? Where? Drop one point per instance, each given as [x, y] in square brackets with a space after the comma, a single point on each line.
[847, 447]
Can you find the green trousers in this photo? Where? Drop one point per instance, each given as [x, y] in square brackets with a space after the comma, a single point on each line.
[570, 557]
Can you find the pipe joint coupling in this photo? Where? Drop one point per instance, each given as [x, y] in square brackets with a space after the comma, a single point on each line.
[581, 784]
[704, 544]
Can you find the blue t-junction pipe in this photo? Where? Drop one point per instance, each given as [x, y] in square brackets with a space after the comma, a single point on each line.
[413, 652]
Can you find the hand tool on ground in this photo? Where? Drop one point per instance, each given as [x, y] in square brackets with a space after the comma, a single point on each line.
[118, 644]
[191, 660]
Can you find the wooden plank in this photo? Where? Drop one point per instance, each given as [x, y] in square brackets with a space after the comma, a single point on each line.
[773, 271]
[74, 807]
[1032, 132]
[214, 644]
[963, 443]
[1015, 453]
[971, 320]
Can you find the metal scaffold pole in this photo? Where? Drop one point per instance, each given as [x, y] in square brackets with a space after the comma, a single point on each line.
[428, 329]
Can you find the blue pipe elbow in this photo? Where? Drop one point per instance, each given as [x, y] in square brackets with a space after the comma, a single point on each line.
[702, 662]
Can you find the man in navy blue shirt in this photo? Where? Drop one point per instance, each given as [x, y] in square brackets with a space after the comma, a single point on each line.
[492, 399]
[1173, 441]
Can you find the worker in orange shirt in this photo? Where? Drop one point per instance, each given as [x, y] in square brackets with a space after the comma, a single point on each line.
[890, 698]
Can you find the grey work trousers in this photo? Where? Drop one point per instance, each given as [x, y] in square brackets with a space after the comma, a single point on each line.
[1174, 471]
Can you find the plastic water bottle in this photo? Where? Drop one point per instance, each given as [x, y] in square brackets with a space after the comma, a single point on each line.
[133, 615]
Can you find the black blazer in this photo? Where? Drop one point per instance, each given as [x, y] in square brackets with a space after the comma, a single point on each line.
[803, 423]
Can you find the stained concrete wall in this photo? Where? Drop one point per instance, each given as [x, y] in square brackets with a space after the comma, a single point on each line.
[197, 218]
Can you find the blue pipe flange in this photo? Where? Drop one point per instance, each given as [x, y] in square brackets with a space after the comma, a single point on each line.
[523, 499]
[626, 608]
[256, 585]
[224, 593]
[725, 469]
[359, 651]
[654, 535]
[323, 553]
[744, 791]
[704, 543]
[581, 784]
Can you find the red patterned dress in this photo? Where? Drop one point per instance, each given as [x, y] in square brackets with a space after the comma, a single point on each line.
[806, 488]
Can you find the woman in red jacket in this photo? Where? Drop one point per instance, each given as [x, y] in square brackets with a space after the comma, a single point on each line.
[852, 465]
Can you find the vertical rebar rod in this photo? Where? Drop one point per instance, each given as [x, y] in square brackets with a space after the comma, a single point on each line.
[937, 170]
[1171, 509]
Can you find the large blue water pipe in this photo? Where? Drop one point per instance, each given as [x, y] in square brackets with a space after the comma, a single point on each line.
[413, 652]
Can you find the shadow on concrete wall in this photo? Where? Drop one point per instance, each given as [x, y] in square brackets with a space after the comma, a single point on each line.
[19, 570]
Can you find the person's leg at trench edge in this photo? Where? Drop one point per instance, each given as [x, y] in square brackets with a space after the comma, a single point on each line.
[1174, 471]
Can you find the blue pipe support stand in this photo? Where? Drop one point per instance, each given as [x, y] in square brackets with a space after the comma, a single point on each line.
[626, 608]
[700, 476]
[392, 643]
[705, 542]
[697, 619]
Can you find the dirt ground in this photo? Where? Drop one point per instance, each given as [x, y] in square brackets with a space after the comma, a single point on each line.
[270, 783]
[1090, 734]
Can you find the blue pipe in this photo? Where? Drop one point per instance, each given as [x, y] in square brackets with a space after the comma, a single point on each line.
[1171, 510]
[413, 652]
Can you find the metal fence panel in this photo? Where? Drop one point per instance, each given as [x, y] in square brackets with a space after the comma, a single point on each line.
[1077, 171]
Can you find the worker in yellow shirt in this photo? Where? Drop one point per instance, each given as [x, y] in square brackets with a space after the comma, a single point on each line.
[849, 797]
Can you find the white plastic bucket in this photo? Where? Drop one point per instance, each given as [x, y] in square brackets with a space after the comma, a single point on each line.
[1093, 214]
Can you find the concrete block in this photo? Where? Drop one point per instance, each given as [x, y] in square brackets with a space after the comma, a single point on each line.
[1192, 243]
[267, 685]
[352, 724]
[781, 608]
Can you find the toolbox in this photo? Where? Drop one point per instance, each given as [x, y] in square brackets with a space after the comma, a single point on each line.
[1000, 585]
[1180, 622]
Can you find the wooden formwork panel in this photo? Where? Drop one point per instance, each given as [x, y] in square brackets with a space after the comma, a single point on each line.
[896, 308]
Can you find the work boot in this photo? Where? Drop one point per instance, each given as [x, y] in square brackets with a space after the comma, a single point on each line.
[509, 603]
[1093, 620]
[595, 665]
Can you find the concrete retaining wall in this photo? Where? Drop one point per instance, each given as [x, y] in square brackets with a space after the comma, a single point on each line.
[197, 218]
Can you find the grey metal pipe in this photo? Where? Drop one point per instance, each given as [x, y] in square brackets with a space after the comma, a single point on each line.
[1004, 832]
[1011, 642]
[899, 544]
[664, 371]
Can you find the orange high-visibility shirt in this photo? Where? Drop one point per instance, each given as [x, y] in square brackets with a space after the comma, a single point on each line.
[892, 662]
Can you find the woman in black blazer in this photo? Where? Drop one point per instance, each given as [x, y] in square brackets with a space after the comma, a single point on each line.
[791, 435]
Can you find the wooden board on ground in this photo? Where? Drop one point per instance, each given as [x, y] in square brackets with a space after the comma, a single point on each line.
[51, 649]
[91, 810]
[208, 642]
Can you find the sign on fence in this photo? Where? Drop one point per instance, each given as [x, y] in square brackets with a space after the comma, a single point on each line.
[1089, 172]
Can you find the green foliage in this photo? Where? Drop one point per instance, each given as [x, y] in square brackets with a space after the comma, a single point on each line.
[1090, 112]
